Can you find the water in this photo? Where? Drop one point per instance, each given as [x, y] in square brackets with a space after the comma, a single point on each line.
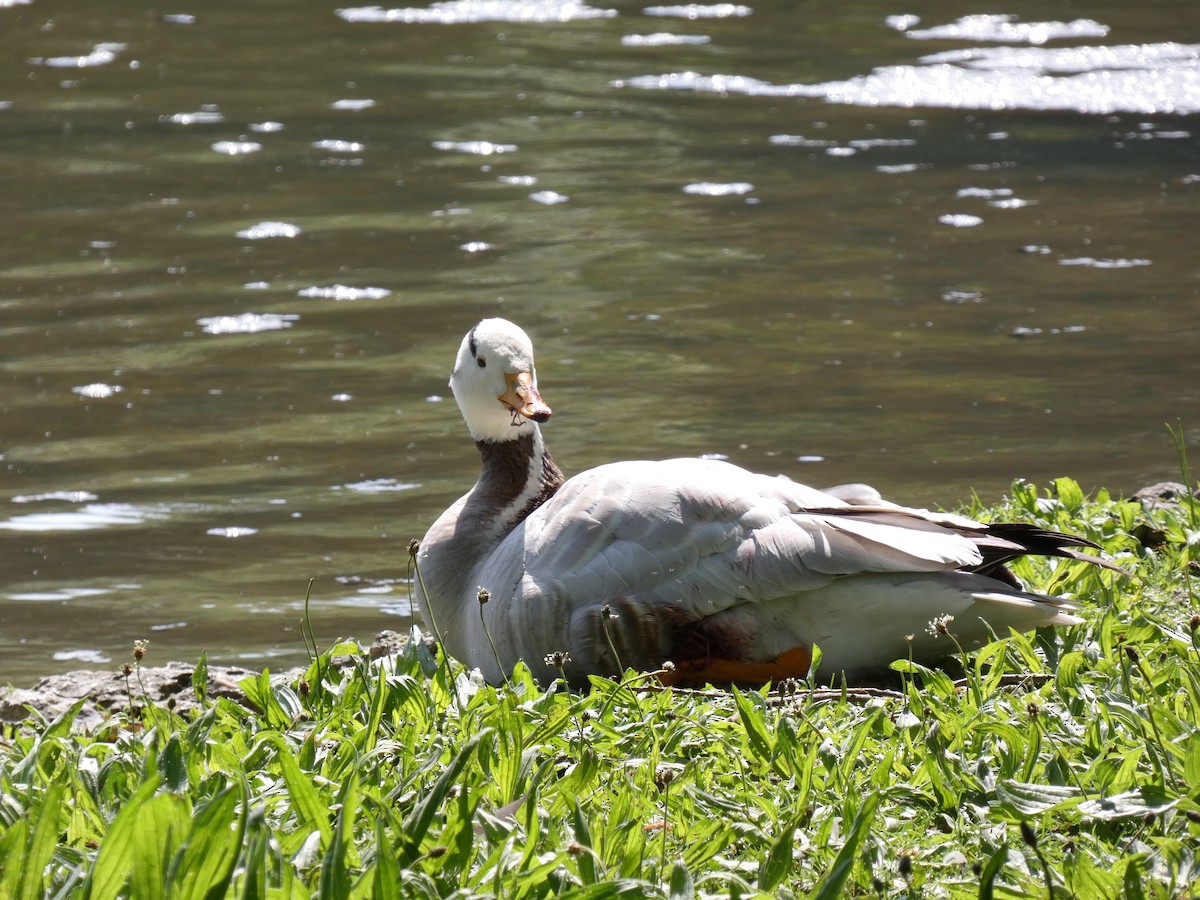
[243, 239]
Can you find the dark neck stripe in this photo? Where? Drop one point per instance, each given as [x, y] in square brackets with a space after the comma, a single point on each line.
[507, 471]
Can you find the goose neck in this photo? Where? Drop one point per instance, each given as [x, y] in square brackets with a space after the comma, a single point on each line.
[517, 476]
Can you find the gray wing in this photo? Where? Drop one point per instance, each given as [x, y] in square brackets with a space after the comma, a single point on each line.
[707, 535]
[665, 545]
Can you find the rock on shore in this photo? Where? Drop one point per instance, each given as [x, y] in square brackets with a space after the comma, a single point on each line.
[106, 694]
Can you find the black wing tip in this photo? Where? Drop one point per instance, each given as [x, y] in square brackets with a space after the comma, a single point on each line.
[1037, 541]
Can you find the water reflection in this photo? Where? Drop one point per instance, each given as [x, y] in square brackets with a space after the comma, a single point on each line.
[933, 254]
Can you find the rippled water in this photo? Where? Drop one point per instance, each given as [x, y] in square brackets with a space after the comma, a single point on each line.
[243, 240]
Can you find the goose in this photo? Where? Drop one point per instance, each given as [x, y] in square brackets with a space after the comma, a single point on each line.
[697, 569]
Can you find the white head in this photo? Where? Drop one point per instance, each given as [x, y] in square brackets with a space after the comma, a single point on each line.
[495, 383]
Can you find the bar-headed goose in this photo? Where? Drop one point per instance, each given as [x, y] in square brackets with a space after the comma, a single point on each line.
[726, 574]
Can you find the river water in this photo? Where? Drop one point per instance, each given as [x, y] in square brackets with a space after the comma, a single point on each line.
[242, 241]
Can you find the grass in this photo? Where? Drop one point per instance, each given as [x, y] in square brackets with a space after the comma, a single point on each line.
[1062, 764]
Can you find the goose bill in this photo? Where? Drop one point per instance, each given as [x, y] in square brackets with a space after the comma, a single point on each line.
[522, 397]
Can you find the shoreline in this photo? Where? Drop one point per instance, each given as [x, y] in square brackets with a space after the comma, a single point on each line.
[107, 693]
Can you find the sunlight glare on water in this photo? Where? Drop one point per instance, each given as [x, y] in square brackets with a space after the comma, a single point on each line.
[455, 12]
[1155, 78]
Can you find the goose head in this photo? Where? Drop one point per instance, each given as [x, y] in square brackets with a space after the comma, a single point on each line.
[495, 383]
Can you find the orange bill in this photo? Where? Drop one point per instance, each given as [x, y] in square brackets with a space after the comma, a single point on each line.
[522, 396]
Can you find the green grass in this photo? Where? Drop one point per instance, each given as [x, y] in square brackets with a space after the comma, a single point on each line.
[1062, 764]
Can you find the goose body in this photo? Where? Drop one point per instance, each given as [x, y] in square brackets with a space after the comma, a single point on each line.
[726, 574]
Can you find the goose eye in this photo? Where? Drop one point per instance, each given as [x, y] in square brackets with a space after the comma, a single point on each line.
[482, 362]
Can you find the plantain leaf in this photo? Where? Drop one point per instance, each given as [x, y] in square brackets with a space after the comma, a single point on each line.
[987, 878]
[200, 679]
[204, 866]
[833, 881]
[418, 821]
[1035, 799]
[1139, 803]
[1131, 881]
[756, 731]
[779, 859]
[386, 873]
[311, 811]
[172, 766]
[1085, 879]
[157, 830]
[583, 836]
[681, 884]
[335, 870]
[112, 868]
[12, 846]
[40, 843]
[1191, 759]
